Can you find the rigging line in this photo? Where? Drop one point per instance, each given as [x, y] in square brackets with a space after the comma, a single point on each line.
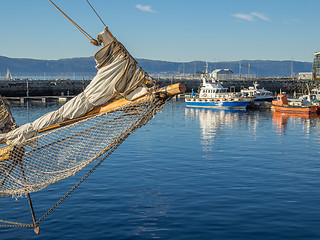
[96, 13]
[87, 35]
[76, 25]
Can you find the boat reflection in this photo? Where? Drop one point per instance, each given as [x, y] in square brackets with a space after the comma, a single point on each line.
[213, 122]
[281, 120]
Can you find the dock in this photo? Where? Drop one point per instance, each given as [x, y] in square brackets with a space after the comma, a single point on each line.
[43, 99]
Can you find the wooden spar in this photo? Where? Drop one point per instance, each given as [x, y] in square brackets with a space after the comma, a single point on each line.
[173, 89]
[163, 92]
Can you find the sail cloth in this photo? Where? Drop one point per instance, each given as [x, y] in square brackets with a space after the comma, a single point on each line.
[118, 76]
[7, 122]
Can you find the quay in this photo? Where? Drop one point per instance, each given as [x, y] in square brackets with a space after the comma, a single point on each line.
[39, 88]
[43, 99]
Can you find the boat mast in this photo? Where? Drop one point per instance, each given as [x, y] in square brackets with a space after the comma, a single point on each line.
[204, 75]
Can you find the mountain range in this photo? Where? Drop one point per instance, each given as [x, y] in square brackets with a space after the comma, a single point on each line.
[86, 66]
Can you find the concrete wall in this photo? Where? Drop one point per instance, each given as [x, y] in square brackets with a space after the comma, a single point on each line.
[18, 88]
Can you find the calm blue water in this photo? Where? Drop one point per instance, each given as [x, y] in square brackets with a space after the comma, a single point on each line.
[189, 174]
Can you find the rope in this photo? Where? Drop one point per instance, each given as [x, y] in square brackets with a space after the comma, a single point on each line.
[96, 13]
[93, 41]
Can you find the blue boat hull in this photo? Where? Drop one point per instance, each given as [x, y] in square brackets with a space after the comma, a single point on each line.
[218, 104]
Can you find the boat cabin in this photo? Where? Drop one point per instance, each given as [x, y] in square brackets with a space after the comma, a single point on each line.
[212, 91]
[280, 100]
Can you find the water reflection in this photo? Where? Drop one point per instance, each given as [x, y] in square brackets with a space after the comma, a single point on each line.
[30, 110]
[213, 122]
[282, 121]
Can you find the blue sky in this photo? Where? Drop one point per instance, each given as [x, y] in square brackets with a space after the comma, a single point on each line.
[170, 30]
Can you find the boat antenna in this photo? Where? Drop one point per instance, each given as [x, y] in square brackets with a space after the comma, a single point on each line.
[96, 13]
[92, 40]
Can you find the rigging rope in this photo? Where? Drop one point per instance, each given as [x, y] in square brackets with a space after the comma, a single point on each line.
[87, 35]
[96, 13]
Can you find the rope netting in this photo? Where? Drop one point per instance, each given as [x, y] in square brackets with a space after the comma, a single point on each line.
[60, 153]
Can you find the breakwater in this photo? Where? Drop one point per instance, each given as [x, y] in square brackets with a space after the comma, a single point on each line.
[24, 87]
[27, 87]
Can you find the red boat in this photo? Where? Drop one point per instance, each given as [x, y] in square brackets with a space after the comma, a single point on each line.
[281, 105]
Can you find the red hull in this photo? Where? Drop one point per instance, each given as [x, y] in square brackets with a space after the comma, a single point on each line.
[281, 105]
[295, 109]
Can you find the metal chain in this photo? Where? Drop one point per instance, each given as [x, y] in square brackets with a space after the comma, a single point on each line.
[15, 224]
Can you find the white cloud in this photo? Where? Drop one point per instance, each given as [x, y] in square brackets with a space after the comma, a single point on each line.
[252, 16]
[244, 16]
[145, 8]
[260, 16]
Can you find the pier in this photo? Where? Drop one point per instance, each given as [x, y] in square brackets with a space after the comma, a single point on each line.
[43, 99]
[41, 88]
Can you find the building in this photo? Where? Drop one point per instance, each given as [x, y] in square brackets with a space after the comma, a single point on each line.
[305, 75]
[222, 74]
[316, 66]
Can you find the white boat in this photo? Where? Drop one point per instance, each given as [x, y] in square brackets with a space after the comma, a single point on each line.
[8, 75]
[258, 94]
[214, 95]
[316, 92]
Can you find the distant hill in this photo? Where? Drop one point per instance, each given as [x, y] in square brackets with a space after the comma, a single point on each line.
[86, 66]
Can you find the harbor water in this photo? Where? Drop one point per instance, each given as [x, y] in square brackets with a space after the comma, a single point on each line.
[188, 174]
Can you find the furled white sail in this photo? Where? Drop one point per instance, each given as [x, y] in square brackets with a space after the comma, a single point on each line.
[118, 76]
